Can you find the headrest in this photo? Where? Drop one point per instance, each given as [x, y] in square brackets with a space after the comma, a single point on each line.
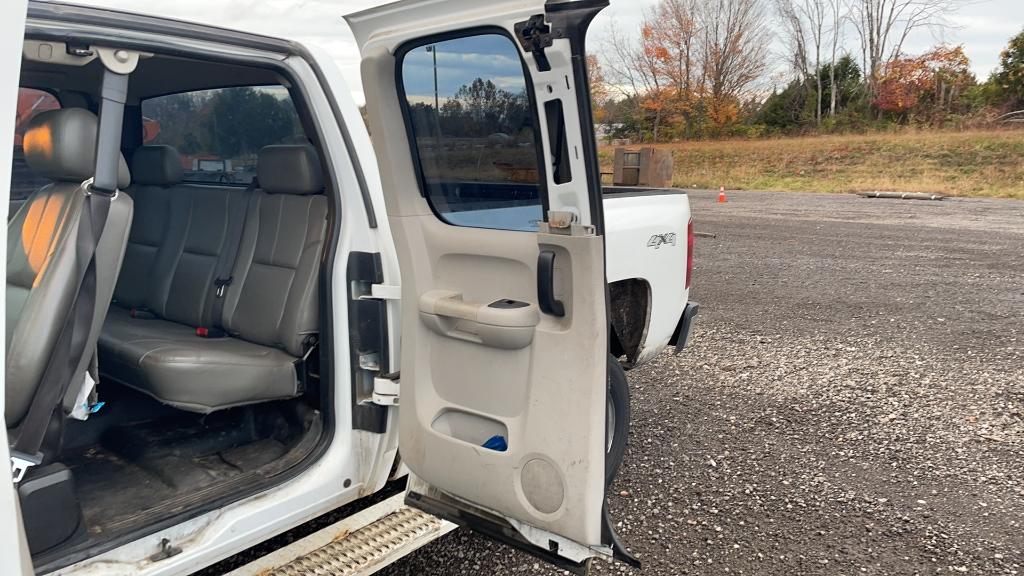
[289, 169]
[156, 166]
[61, 145]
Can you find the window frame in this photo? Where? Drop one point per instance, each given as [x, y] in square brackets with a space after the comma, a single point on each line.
[403, 103]
[284, 84]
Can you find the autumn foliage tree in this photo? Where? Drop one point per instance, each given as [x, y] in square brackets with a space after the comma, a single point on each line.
[1009, 78]
[698, 69]
[599, 95]
[925, 87]
[693, 64]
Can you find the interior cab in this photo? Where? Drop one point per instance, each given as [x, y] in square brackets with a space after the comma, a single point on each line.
[207, 355]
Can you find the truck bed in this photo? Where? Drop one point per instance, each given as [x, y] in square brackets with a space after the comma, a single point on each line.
[646, 237]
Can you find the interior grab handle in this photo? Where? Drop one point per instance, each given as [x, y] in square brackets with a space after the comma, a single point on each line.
[504, 323]
[546, 284]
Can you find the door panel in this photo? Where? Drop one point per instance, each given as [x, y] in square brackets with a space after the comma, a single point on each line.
[545, 399]
[503, 389]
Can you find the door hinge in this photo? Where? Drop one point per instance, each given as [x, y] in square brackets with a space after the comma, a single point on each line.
[535, 36]
[385, 389]
[367, 291]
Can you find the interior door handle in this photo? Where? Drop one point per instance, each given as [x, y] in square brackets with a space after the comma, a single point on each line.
[546, 284]
[504, 323]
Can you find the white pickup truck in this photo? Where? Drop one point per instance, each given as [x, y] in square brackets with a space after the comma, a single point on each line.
[220, 291]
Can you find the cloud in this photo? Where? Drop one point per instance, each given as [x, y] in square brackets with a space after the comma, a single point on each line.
[984, 27]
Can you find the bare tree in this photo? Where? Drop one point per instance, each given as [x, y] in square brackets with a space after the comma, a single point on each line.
[796, 36]
[837, 13]
[734, 45]
[620, 59]
[632, 70]
[814, 11]
[804, 22]
[676, 20]
[884, 25]
[671, 33]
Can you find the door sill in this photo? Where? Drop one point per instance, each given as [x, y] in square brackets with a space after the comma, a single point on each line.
[492, 526]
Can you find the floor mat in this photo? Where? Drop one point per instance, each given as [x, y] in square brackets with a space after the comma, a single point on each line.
[138, 470]
[111, 489]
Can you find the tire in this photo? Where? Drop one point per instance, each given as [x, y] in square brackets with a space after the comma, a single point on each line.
[617, 419]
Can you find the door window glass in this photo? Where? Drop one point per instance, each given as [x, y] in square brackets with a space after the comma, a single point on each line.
[30, 103]
[473, 132]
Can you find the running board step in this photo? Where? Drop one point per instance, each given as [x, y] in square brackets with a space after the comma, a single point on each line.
[358, 545]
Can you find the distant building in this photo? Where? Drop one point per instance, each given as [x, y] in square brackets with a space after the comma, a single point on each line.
[603, 132]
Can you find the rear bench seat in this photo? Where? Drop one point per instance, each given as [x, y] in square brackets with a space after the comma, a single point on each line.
[184, 238]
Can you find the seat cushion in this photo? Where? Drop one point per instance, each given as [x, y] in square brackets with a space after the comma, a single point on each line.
[169, 362]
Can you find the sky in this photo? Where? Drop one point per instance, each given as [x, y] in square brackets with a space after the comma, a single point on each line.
[982, 26]
[459, 62]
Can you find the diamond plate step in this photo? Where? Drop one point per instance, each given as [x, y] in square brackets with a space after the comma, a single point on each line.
[358, 545]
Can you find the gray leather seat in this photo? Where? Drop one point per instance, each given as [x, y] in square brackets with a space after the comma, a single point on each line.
[41, 261]
[179, 241]
[270, 309]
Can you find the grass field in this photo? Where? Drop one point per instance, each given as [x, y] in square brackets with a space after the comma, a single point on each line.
[973, 163]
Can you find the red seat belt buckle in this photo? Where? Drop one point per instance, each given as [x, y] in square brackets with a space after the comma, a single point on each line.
[141, 313]
[204, 332]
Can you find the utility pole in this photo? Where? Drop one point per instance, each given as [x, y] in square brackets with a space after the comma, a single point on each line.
[433, 52]
[432, 48]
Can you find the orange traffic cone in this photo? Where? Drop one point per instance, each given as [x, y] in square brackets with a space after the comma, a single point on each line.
[721, 195]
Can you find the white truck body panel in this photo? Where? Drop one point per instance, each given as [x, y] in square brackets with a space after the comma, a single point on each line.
[631, 221]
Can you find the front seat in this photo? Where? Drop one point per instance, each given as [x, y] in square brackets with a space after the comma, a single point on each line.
[41, 257]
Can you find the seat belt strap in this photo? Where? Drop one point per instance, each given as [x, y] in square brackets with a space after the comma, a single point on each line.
[71, 343]
[223, 279]
[99, 192]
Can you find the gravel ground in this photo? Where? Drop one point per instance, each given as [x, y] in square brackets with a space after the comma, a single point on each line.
[852, 402]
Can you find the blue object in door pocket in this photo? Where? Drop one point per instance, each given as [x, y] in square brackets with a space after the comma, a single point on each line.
[497, 443]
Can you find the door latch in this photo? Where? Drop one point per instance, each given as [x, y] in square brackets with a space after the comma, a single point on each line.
[366, 291]
[385, 389]
[565, 222]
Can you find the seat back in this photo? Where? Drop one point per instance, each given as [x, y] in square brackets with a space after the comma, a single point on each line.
[153, 242]
[179, 241]
[41, 259]
[273, 298]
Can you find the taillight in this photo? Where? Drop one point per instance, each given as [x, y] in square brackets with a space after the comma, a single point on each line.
[689, 252]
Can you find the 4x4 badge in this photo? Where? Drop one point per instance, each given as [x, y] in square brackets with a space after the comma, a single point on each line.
[657, 240]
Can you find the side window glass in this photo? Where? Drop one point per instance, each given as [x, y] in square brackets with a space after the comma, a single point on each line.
[473, 132]
[30, 103]
[219, 132]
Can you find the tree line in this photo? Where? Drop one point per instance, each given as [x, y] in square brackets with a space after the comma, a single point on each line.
[476, 110]
[224, 123]
[705, 69]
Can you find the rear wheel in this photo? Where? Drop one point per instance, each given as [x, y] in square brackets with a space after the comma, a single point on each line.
[616, 419]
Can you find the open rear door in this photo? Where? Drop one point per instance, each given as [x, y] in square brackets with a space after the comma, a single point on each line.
[480, 117]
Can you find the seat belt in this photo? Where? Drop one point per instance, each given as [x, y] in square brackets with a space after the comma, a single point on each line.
[70, 345]
[226, 265]
[69, 349]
